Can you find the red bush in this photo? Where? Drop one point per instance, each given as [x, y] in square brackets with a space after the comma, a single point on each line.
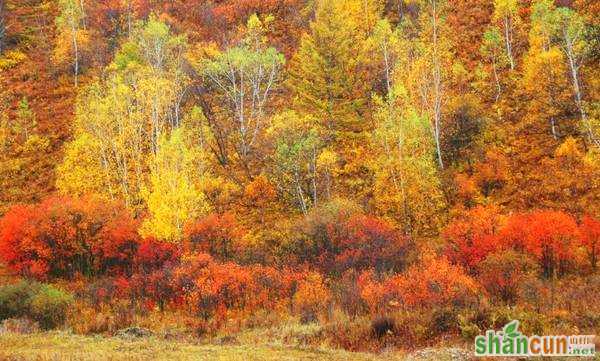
[472, 236]
[369, 242]
[503, 274]
[432, 283]
[590, 239]
[62, 237]
[209, 288]
[152, 255]
[217, 235]
[549, 236]
[334, 243]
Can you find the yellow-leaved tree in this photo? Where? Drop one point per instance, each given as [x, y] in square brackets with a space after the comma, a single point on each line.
[330, 80]
[407, 185]
[173, 198]
[121, 118]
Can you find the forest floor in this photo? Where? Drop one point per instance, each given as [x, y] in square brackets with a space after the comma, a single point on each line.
[66, 346]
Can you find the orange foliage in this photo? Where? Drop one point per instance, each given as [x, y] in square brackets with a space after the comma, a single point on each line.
[472, 236]
[210, 288]
[432, 283]
[62, 237]
[590, 239]
[549, 236]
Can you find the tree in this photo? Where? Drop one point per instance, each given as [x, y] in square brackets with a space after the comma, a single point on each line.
[563, 28]
[407, 187]
[492, 51]
[173, 198]
[122, 117]
[425, 71]
[330, 80]
[3, 25]
[387, 40]
[22, 153]
[243, 79]
[506, 13]
[571, 30]
[298, 146]
[71, 23]
[590, 239]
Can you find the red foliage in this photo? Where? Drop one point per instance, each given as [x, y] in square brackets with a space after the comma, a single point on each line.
[217, 235]
[590, 239]
[549, 236]
[210, 288]
[366, 241]
[472, 236]
[336, 242]
[432, 283]
[63, 237]
[18, 248]
[153, 255]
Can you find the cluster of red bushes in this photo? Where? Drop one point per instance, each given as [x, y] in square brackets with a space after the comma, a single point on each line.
[205, 287]
[500, 251]
[98, 239]
[552, 238]
[90, 237]
[62, 237]
[429, 284]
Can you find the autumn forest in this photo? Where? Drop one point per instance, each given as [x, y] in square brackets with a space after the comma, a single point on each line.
[352, 175]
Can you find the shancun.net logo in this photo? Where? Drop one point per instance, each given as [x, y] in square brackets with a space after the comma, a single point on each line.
[510, 342]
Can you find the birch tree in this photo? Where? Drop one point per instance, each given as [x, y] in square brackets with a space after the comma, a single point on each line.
[70, 22]
[172, 197]
[506, 14]
[571, 31]
[295, 163]
[244, 78]
[407, 186]
[3, 25]
[125, 115]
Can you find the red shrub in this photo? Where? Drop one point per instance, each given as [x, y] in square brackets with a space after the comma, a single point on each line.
[210, 288]
[548, 236]
[503, 274]
[590, 239]
[217, 235]
[367, 242]
[334, 242]
[433, 283]
[62, 237]
[472, 236]
[19, 245]
[153, 255]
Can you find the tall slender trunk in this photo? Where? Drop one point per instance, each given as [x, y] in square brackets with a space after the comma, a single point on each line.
[437, 87]
[508, 40]
[497, 80]
[574, 68]
[76, 51]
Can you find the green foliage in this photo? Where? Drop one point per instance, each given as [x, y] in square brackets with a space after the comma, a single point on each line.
[15, 299]
[40, 302]
[49, 306]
